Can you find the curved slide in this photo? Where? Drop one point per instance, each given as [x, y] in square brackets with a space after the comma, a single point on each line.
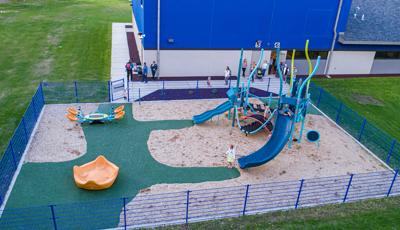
[198, 119]
[273, 147]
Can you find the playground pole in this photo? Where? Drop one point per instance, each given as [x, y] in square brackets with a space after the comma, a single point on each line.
[291, 72]
[310, 67]
[252, 76]
[278, 64]
[300, 92]
[237, 83]
[240, 67]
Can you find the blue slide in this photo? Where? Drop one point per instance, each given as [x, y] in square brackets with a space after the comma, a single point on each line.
[279, 138]
[198, 119]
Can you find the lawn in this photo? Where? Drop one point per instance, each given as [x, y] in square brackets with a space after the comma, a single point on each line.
[371, 214]
[52, 41]
[378, 99]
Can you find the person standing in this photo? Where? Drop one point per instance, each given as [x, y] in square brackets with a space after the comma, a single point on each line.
[227, 75]
[264, 68]
[252, 67]
[144, 73]
[153, 68]
[244, 67]
[132, 68]
[230, 156]
[128, 70]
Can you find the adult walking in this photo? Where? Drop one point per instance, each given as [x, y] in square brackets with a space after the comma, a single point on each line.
[128, 69]
[153, 68]
[244, 67]
[227, 75]
[264, 68]
[144, 73]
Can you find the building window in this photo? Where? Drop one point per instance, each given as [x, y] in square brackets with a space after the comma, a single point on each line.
[387, 55]
[300, 54]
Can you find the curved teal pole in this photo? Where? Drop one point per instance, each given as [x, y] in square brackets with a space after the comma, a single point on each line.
[240, 67]
[278, 65]
[238, 82]
[299, 93]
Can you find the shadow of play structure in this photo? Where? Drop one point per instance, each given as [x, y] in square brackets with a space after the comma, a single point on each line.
[291, 109]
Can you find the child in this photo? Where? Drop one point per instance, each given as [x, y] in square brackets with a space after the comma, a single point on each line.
[230, 156]
[209, 81]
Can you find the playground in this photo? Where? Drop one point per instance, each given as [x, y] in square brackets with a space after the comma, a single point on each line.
[167, 146]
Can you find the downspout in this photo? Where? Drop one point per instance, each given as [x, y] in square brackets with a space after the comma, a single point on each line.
[328, 59]
[158, 36]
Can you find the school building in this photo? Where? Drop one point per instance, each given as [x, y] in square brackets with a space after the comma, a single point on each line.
[202, 37]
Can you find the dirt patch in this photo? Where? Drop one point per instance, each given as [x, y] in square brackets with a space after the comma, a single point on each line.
[44, 67]
[56, 138]
[367, 100]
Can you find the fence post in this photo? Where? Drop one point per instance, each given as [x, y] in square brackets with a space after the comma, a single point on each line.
[124, 201]
[362, 129]
[34, 109]
[245, 200]
[53, 216]
[390, 151]
[76, 91]
[127, 88]
[393, 180]
[26, 132]
[269, 82]
[197, 88]
[163, 87]
[338, 112]
[348, 188]
[187, 206]
[13, 154]
[139, 96]
[319, 96]
[109, 91]
[41, 91]
[299, 193]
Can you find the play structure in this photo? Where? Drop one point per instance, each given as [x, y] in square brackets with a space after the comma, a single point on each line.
[96, 175]
[281, 120]
[78, 116]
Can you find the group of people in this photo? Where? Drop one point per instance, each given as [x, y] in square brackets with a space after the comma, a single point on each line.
[142, 71]
[266, 67]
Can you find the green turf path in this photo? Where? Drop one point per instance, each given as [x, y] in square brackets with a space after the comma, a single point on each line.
[123, 143]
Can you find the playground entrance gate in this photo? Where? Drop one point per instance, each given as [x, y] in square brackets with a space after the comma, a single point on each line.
[117, 88]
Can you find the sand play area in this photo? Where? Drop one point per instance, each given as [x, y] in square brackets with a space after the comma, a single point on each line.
[206, 144]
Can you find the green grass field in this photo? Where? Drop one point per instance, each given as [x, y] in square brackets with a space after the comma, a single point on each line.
[52, 41]
[378, 99]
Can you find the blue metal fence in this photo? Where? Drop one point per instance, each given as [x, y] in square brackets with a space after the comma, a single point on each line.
[191, 206]
[18, 143]
[199, 205]
[379, 142]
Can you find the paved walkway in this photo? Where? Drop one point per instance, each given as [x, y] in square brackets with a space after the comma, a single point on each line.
[119, 50]
[270, 84]
[120, 55]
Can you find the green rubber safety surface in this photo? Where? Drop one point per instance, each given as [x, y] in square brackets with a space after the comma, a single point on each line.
[122, 142]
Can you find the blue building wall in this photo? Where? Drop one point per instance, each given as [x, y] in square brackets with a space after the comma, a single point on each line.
[235, 24]
[138, 13]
